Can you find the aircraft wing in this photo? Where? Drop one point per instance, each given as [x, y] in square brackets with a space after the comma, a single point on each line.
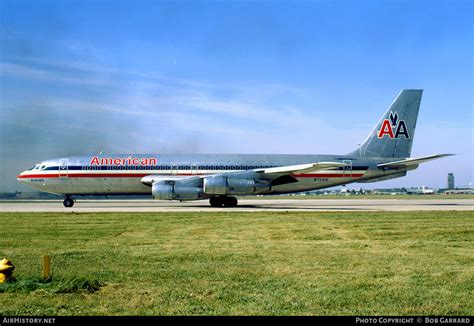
[411, 161]
[266, 173]
[300, 168]
[285, 174]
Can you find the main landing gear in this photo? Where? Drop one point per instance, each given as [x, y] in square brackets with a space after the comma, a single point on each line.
[68, 202]
[219, 201]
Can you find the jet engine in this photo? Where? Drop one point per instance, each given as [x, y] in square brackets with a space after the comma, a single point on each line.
[219, 185]
[168, 190]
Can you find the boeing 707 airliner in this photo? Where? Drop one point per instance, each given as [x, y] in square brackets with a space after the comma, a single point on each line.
[384, 155]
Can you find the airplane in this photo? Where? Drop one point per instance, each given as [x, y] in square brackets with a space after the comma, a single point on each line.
[384, 155]
[421, 190]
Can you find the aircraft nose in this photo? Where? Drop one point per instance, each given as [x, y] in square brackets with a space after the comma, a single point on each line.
[21, 177]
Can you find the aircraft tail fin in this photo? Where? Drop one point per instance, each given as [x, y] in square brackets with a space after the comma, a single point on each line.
[393, 134]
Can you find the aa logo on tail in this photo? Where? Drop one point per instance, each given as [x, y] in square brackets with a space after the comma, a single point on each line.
[393, 127]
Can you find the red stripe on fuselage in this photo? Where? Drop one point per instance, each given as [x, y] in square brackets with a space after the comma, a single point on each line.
[323, 175]
[92, 175]
[141, 175]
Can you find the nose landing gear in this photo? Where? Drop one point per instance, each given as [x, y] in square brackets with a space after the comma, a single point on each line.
[68, 202]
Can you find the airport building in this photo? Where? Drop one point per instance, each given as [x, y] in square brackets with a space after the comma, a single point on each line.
[451, 181]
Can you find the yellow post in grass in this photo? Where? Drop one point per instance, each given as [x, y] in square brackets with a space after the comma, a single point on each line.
[46, 267]
[6, 270]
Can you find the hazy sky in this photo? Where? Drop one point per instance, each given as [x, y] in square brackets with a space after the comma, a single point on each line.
[79, 77]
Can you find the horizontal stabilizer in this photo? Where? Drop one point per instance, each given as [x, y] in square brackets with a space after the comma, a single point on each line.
[300, 168]
[411, 161]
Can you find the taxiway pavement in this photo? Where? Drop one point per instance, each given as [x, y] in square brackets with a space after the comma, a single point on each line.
[245, 205]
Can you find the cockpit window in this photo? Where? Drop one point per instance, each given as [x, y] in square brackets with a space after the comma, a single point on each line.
[36, 167]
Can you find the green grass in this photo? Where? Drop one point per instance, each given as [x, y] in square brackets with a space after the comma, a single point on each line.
[232, 263]
[71, 285]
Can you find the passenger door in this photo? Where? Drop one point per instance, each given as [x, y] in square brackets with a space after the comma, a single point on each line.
[63, 168]
[347, 169]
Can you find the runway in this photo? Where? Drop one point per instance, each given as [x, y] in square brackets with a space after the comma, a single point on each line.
[245, 205]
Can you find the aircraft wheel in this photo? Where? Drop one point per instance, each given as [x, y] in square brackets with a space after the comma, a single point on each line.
[230, 202]
[68, 202]
[215, 202]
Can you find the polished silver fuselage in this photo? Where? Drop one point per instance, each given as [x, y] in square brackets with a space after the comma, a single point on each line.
[77, 176]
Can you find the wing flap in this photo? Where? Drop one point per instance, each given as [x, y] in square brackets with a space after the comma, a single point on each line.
[300, 168]
[411, 161]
